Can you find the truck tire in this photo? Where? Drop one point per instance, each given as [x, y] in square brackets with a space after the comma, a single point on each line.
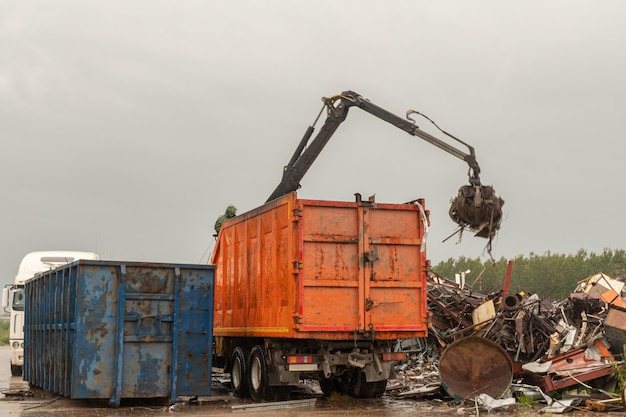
[239, 372]
[328, 386]
[258, 376]
[16, 370]
[380, 388]
[363, 389]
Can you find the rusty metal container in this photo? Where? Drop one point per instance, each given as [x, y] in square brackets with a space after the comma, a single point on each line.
[114, 330]
[472, 366]
[310, 269]
[615, 329]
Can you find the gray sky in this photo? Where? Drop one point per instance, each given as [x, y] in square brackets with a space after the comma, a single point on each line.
[128, 127]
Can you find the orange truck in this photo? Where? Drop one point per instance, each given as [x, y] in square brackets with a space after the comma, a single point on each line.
[309, 289]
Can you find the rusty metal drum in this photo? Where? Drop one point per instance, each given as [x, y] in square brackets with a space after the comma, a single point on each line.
[472, 366]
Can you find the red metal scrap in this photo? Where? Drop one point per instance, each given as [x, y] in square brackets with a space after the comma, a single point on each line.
[570, 369]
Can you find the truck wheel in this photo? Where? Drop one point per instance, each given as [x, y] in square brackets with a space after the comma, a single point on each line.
[258, 376]
[363, 389]
[380, 388]
[328, 386]
[239, 371]
[16, 370]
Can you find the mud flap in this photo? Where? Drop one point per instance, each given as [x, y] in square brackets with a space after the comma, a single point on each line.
[372, 374]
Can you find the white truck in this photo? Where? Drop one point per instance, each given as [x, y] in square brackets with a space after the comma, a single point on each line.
[13, 295]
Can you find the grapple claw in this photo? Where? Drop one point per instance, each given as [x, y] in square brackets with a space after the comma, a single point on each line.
[478, 208]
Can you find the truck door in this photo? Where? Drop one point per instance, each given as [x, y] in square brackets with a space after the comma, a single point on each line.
[361, 268]
[393, 268]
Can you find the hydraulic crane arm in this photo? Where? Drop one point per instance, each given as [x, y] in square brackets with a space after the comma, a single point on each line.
[337, 110]
[476, 206]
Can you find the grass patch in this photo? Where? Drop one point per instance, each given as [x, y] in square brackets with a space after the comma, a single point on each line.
[525, 400]
[620, 374]
[4, 332]
[335, 396]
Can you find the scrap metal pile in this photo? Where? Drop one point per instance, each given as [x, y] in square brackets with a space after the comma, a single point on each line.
[551, 345]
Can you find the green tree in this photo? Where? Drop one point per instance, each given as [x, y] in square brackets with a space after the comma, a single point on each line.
[550, 275]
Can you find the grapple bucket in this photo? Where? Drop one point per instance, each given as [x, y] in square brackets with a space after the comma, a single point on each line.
[478, 208]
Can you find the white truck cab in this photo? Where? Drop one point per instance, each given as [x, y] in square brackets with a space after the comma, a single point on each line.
[13, 295]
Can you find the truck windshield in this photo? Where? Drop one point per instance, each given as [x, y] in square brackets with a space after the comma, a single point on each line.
[18, 299]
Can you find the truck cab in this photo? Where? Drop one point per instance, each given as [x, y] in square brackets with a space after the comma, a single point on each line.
[13, 303]
[13, 295]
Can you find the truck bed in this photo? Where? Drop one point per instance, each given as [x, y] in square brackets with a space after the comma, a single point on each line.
[311, 269]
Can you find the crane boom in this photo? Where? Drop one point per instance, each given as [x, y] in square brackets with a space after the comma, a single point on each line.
[337, 110]
[476, 206]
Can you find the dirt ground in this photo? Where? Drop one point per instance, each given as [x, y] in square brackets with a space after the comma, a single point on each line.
[20, 400]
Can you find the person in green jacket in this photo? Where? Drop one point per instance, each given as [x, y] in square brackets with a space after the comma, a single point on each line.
[231, 211]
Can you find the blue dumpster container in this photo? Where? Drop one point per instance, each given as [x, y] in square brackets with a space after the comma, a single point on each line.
[114, 330]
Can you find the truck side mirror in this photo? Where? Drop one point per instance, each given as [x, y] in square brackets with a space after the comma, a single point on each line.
[5, 297]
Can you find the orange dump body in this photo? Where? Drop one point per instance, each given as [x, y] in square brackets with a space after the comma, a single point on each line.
[309, 269]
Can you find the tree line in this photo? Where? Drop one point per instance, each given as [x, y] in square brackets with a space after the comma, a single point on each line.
[551, 276]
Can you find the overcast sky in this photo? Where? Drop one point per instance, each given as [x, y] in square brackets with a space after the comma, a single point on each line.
[128, 127]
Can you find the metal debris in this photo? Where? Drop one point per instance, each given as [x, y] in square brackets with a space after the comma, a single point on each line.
[491, 403]
[309, 402]
[552, 345]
